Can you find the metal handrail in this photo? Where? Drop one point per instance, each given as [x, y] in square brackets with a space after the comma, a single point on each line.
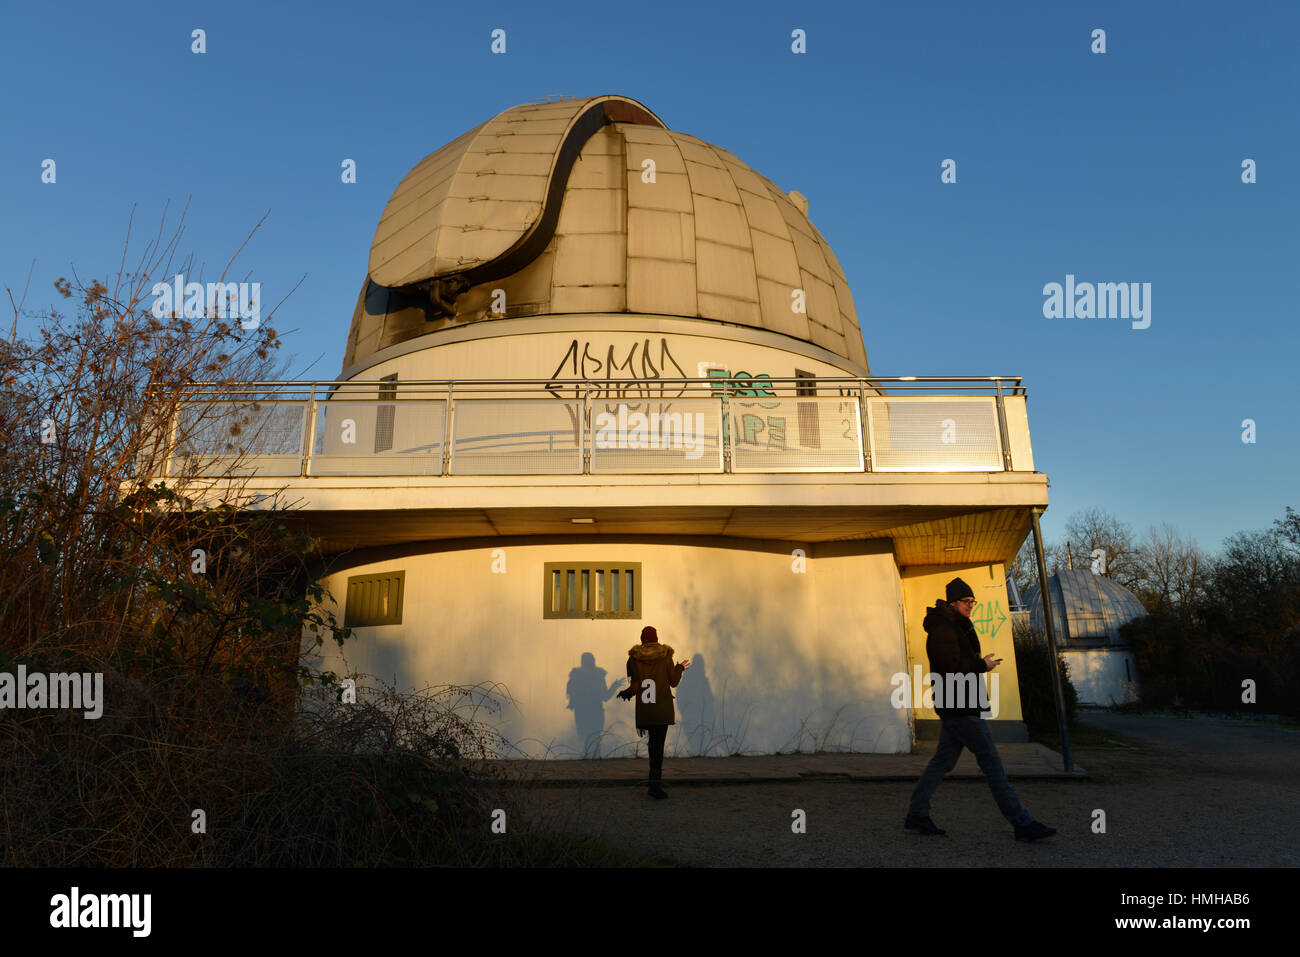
[317, 395]
[1012, 384]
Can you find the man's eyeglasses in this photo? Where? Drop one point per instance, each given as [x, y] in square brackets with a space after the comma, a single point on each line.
[966, 601]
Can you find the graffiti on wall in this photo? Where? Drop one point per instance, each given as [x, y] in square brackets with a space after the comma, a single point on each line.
[637, 367]
[636, 372]
[750, 428]
[989, 618]
[746, 386]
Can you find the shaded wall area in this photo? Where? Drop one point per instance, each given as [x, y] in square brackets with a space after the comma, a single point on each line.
[924, 584]
[1103, 676]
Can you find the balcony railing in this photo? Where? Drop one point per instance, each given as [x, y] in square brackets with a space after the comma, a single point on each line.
[574, 427]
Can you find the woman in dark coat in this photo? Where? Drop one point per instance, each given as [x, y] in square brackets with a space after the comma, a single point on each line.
[652, 673]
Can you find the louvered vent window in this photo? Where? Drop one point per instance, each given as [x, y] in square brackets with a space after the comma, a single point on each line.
[592, 590]
[375, 599]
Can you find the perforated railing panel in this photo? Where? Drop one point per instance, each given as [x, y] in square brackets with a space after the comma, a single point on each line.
[517, 437]
[934, 434]
[267, 434]
[408, 435]
[672, 435]
[814, 434]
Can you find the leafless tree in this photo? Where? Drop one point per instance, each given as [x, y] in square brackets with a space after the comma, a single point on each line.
[96, 574]
[1171, 571]
[1097, 540]
[1288, 528]
[90, 401]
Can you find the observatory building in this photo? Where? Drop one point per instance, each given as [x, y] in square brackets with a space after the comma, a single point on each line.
[601, 375]
[1087, 612]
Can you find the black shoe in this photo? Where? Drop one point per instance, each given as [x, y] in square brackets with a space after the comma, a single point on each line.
[1034, 831]
[922, 824]
[657, 792]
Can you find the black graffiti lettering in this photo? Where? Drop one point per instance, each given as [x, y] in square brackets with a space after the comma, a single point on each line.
[613, 366]
[648, 370]
[569, 357]
[637, 373]
[594, 369]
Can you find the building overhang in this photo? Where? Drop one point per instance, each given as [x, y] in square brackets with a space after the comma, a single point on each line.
[942, 468]
[964, 518]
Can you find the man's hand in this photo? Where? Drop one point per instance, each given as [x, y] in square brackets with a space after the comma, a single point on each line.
[992, 662]
[685, 663]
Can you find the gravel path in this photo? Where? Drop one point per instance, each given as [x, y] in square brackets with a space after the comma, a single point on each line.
[1191, 792]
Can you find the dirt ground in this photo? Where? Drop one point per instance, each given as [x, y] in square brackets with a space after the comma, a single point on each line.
[1196, 792]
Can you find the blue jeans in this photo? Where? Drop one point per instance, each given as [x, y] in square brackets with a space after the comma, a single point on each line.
[973, 733]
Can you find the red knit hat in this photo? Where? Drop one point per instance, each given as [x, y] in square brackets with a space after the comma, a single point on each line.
[649, 635]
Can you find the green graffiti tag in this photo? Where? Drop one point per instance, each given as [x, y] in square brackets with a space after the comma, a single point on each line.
[989, 619]
[750, 425]
[758, 386]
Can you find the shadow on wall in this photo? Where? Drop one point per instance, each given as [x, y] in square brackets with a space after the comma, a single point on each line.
[771, 691]
[702, 724]
[695, 712]
[588, 691]
[587, 694]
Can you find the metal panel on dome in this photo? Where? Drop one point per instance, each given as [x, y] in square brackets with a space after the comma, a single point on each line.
[423, 233]
[1086, 608]
[412, 219]
[775, 302]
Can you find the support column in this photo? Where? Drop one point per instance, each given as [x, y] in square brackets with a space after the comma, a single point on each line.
[1057, 692]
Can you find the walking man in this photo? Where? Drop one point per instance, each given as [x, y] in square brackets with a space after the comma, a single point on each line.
[954, 652]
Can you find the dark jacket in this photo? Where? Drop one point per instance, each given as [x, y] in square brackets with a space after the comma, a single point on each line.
[953, 649]
[653, 661]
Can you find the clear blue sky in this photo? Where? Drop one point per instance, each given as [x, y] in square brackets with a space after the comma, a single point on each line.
[1122, 167]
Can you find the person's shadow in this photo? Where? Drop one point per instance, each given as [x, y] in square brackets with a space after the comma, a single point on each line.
[695, 707]
[587, 696]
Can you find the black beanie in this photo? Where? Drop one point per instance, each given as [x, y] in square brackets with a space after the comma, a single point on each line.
[958, 589]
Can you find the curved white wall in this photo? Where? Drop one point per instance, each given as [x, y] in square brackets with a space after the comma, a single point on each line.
[638, 349]
[1099, 676]
[783, 660]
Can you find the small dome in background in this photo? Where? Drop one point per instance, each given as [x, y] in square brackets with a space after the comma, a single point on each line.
[1085, 607]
